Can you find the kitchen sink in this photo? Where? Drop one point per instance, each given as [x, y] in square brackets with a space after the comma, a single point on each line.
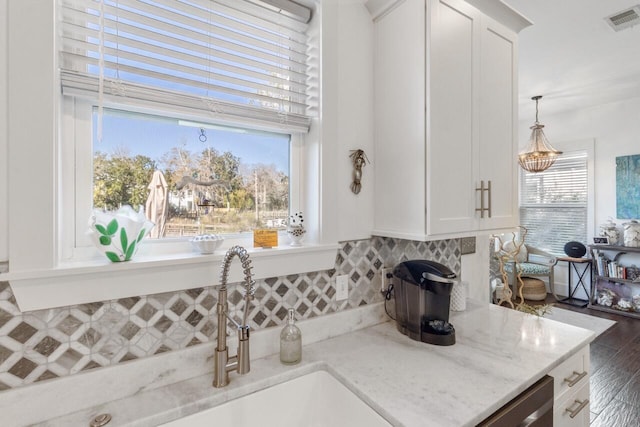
[316, 400]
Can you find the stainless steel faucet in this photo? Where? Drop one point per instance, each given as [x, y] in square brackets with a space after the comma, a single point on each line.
[239, 362]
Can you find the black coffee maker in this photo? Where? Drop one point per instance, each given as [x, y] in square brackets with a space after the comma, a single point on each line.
[423, 294]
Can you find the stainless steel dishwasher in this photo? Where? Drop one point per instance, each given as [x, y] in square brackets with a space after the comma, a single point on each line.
[531, 408]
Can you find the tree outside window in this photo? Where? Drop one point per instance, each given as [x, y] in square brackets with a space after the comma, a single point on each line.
[254, 193]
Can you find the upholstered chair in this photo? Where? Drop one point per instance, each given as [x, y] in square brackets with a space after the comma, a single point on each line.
[531, 262]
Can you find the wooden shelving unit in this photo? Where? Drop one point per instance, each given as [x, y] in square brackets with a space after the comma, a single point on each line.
[615, 284]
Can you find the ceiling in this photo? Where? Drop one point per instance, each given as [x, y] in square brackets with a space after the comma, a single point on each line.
[572, 57]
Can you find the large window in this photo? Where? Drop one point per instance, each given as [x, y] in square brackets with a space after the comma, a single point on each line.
[201, 97]
[554, 203]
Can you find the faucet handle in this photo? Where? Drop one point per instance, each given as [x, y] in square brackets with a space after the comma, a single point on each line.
[244, 362]
[243, 332]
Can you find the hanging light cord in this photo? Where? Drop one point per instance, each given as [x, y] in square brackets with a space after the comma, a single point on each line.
[537, 98]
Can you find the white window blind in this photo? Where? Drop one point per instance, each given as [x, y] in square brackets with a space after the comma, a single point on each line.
[553, 203]
[232, 59]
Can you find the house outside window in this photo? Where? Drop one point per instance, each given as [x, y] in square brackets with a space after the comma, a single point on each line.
[555, 205]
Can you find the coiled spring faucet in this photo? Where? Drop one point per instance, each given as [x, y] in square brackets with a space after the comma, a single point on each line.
[239, 362]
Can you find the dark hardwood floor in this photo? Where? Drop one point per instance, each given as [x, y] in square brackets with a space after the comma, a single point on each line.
[615, 370]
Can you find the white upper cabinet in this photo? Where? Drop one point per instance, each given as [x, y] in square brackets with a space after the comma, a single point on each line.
[445, 117]
[498, 121]
[452, 123]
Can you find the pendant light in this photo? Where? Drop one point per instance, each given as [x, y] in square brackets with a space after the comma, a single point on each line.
[539, 155]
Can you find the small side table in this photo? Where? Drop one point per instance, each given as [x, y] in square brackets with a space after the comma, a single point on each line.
[573, 264]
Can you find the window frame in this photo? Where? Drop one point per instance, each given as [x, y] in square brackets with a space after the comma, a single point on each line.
[76, 175]
[37, 203]
[588, 146]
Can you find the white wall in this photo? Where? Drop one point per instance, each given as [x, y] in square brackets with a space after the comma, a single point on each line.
[4, 250]
[345, 122]
[355, 118]
[475, 270]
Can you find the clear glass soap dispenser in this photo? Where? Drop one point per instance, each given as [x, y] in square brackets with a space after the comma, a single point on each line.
[290, 341]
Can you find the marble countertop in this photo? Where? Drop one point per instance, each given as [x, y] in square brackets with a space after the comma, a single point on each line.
[498, 354]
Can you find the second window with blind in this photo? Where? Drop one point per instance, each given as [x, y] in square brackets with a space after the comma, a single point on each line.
[204, 97]
[556, 205]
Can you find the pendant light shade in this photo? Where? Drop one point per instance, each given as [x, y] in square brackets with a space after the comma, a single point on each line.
[539, 155]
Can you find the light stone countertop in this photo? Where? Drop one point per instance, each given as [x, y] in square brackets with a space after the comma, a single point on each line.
[498, 354]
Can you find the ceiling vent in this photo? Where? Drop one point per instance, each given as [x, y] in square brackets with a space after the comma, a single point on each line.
[624, 19]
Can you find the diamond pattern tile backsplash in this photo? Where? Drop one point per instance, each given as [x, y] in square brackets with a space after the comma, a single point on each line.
[45, 344]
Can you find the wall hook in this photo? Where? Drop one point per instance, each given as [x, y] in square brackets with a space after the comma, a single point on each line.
[359, 159]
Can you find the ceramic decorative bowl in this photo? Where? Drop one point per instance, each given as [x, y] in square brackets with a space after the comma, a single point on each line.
[117, 234]
[207, 243]
[296, 234]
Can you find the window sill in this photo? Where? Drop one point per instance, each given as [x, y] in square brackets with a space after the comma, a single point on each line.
[82, 283]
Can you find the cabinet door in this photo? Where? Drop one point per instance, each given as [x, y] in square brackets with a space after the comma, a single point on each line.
[399, 68]
[573, 409]
[498, 124]
[571, 374]
[452, 58]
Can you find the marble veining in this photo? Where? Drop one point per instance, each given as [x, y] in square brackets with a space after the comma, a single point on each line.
[500, 352]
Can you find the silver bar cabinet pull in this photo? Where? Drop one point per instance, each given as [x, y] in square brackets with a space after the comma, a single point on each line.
[482, 208]
[580, 407]
[575, 378]
[489, 197]
[482, 189]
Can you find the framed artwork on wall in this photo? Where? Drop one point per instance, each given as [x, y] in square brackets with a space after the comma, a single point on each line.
[628, 187]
